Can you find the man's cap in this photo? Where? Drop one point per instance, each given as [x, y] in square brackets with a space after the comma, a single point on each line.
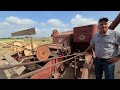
[103, 19]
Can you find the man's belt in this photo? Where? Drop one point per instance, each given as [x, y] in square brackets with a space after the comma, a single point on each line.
[103, 59]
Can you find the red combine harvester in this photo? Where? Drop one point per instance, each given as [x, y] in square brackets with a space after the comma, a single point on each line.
[51, 60]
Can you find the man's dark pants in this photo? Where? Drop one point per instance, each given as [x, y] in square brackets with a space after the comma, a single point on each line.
[101, 65]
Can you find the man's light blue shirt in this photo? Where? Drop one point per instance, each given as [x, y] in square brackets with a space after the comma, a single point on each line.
[107, 45]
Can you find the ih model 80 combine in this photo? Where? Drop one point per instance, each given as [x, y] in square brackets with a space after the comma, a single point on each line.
[51, 60]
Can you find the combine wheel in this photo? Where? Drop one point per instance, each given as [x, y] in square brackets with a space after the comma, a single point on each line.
[42, 53]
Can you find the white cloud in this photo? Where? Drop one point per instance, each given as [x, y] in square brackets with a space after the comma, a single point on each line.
[79, 20]
[43, 32]
[11, 24]
[20, 21]
[4, 25]
[46, 32]
[43, 29]
[54, 23]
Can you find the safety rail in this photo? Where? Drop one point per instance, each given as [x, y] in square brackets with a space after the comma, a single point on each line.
[41, 69]
[32, 62]
[24, 76]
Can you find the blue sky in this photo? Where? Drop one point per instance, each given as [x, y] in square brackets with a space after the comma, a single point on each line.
[45, 21]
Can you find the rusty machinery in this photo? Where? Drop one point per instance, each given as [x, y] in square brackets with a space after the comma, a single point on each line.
[51, 60]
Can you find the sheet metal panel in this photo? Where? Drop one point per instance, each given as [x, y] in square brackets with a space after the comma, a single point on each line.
[30, 31]
[84, 33]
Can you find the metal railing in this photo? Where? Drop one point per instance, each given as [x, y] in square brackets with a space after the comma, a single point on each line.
[74, 56]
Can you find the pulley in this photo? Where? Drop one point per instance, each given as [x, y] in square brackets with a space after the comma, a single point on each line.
[42, 53]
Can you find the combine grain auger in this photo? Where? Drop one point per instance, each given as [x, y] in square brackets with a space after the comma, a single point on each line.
[114, 24]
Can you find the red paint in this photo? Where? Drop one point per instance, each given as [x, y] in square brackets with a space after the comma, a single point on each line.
[45, 74]
[86, 31]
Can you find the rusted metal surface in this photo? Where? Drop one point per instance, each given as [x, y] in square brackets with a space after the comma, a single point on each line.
[31, 43]
[84, 33]
[30, 31]
[115, 22]
[48, 70]
[39, 70]
[45, 74]
[75, 68]
[42, 53]
[64, 37]
[82, 36]
[55, 46]
[33, 62]
[65, 34]
[59, 48]
[55, 32]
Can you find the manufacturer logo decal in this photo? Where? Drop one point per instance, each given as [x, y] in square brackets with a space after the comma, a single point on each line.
[82, 37]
